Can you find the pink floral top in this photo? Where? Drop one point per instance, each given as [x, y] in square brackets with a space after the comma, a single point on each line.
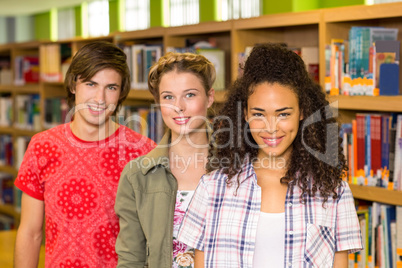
[183, 255]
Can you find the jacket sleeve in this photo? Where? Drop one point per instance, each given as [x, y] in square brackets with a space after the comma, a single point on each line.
[131, 242]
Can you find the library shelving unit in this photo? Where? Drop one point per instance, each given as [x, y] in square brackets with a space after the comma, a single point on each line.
[11, 52]
[336, 24]
[301, 29]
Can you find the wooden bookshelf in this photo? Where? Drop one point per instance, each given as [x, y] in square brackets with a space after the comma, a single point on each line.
[297, 29]
[6, 88]
[9, 169]
[27, 89]
[6, 130]
[369, 103]
[10, 211]
[25, 132]
[362, 12]
[377, 194]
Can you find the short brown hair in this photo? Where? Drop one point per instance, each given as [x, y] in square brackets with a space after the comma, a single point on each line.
[93, 58]
[196, 64]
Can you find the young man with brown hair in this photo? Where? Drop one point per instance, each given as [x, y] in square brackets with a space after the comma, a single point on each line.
[70, 173]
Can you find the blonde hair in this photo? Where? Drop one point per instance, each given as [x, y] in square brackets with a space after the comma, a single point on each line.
[196, 64]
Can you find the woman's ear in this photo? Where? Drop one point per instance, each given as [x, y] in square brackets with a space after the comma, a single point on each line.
[211, 97]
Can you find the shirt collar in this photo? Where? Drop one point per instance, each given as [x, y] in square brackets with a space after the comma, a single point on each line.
[158, 156]
[247, 171]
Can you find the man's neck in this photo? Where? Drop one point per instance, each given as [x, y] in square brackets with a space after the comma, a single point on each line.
[94, 133]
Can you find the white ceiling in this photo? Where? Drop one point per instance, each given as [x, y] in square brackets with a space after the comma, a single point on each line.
[29, 7]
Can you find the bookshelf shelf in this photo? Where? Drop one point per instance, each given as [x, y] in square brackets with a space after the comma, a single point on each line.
[369, 103]
[279, 20]
[139, 94]
[377, 194]
[362, 12]
[6, 130]
[10, 211]
[154, 33]
[6, 88]
[26, 89]
[201, 28]
[9, 169]
[24, 132]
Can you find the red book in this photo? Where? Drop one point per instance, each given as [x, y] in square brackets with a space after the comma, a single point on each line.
[360, 136]
[354, 131]
[31, 69]
[375, 129]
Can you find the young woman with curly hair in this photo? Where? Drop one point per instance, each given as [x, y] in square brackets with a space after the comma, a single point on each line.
[274, 196]
[155, 190]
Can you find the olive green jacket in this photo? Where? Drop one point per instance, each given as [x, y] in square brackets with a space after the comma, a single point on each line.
[145, 204]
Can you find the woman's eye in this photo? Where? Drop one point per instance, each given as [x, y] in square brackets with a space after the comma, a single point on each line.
[189, 95]
[283, 115]
[167, 97]
[257, 114]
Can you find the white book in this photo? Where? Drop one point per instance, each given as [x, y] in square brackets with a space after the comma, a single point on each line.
[217, 58]
[138, 67]
[398, 243]
[398, 158]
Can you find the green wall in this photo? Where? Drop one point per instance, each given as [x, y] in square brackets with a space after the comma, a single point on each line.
[42, 23]
[339, 3]
[113, 16]
[156, 15]
[272, 7]
[208, 10]
[78, 21]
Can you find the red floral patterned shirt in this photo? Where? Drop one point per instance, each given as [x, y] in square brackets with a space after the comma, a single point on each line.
[78, 181]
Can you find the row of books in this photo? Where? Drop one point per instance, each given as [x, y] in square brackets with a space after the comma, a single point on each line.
[11, 154]
[56, 110]
[144, 120]
[55, 61]
[366, 64]
[27, 112]
[26, 69]
[381, 227]
[6, 150]
[6, 222]
[6, 188]
[140, 58]
[6, 110]
[310, 56]
[5, 71]
[372, 145]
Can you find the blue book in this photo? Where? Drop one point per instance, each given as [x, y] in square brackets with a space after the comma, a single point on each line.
[389, 79]
[385, 125]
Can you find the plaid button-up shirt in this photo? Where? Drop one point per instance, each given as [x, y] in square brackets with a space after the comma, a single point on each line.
[222, 222]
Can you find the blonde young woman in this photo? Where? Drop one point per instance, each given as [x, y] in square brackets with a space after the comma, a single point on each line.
[154, 190]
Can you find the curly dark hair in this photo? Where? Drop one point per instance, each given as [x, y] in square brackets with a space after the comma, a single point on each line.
[317, 151]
